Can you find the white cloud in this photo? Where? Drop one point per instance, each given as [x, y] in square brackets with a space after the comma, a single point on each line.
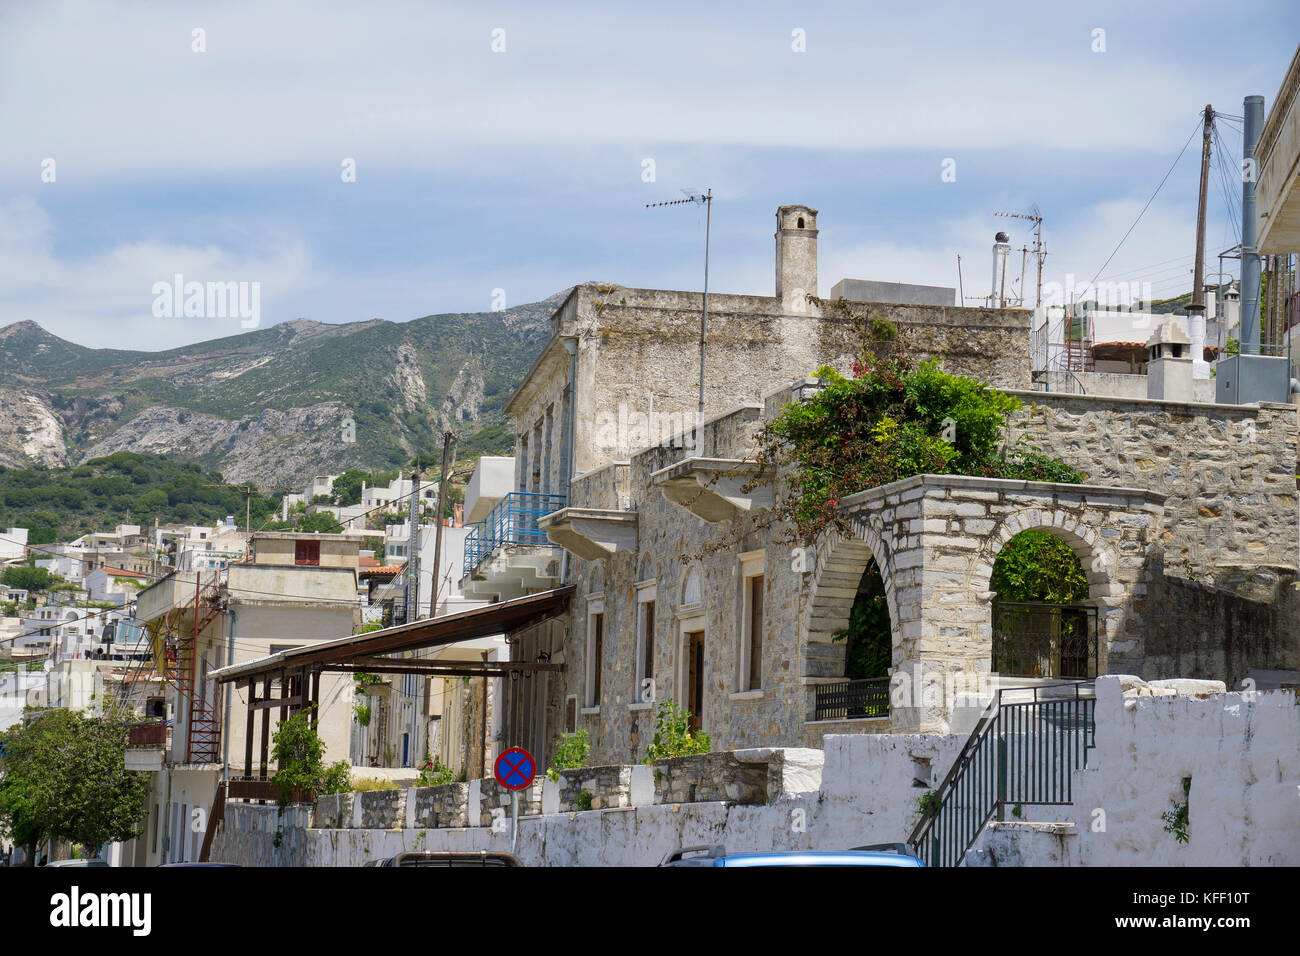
[105, 299]
[117, 91]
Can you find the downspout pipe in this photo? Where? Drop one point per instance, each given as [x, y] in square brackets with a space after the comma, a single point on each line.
[1253, 121]
[225, 720]
[570, 346]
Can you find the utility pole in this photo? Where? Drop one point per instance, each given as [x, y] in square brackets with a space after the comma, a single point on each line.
[412, 611]
[448, 441]
[1197, 307]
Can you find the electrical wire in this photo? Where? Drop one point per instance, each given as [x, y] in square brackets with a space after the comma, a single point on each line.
[1148, 203]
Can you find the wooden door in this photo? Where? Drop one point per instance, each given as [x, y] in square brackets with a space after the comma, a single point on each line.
[695, 677]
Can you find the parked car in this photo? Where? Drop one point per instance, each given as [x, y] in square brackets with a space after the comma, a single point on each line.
[884, 854]
[449, 858]
[77, 863]
[198, 864]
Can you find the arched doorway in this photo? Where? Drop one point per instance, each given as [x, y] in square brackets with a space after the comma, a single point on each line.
[868, 639]
[1043, 623]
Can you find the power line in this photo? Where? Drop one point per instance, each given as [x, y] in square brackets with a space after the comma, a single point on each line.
[1170, 171]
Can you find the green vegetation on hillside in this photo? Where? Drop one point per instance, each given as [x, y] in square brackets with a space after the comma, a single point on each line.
[58, 504]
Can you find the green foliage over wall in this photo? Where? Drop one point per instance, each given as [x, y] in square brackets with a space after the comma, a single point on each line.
[1038, 566]
[892, 420]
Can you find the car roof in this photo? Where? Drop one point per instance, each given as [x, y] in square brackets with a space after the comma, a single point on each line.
[821, 858]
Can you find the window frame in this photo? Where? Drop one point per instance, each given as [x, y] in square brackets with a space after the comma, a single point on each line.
[647, 593]
[593, 658]
[750, 566]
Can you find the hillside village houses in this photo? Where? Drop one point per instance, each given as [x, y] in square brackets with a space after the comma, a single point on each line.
[624, 557]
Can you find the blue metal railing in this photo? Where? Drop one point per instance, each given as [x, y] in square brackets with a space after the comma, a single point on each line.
[512, 522]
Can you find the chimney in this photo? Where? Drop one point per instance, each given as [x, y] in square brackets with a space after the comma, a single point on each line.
[458, 515]
[796, 257]
[1001, 250]
[1169, 363]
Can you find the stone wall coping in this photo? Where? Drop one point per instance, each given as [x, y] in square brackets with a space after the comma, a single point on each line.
[1193, 407]
[597, 470]
[668, 442]
[1003, 485]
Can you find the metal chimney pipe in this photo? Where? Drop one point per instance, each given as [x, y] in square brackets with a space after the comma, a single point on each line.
[1001, 250]
[1253, 115]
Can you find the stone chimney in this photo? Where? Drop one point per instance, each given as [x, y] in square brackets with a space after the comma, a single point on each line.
[796, 257]
[1169, 363]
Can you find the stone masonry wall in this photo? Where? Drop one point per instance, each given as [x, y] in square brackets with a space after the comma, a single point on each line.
[1228, 471]
[623, 727]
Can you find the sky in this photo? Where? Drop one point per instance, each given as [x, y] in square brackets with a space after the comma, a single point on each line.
[346, 161]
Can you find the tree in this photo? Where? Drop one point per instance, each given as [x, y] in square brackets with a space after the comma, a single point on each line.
[299, 756]
[27, 578]
[63, 775]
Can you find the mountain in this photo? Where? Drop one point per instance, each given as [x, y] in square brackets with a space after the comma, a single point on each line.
[272, 406]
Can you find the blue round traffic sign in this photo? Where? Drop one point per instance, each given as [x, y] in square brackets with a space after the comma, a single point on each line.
[514, 768]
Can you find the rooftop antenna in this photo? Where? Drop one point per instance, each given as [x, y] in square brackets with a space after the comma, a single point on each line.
[706, 198]
[1039, 251]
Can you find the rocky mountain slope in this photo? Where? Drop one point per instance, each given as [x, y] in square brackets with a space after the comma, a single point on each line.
[273, 406]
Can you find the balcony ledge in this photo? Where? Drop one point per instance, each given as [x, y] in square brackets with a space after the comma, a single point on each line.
[591, 533]
[711, 488]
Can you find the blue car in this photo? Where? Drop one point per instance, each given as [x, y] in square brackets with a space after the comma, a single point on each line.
[883, 854]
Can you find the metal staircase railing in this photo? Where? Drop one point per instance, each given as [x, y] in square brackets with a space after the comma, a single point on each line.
[203, 726]
[1023, 752]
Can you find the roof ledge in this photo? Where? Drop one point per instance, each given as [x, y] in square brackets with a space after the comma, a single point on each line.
[712, 489]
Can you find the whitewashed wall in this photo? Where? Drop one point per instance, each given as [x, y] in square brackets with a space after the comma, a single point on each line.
[1243, 757]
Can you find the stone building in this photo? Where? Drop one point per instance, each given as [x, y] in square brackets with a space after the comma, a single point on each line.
[681, 591]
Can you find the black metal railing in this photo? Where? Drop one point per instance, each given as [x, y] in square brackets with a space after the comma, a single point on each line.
[1045, 640]
[852, 699]
[1023, 752]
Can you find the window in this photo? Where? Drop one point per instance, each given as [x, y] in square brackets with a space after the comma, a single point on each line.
[643, 692]
[755, 624]
[306, 552]
[691, 593]
[749, 645]
[595, 649]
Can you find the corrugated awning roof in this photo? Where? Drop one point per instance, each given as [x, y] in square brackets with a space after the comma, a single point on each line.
[434, 632]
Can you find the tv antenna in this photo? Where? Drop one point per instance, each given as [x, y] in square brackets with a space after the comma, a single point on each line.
[706, 198]
[1039, 250]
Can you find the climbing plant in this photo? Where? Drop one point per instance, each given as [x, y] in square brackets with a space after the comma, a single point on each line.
[891, 419]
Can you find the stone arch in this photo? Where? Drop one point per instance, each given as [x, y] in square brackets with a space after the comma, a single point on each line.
[838, 563]
[1097, 559]
[1094, 556]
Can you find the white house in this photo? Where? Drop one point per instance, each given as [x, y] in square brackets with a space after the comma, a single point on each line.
[13, 544]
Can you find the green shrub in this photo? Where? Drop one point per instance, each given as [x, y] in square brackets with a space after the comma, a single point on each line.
[673, 737]
[434, 773]
[571, 752]
[337, 778]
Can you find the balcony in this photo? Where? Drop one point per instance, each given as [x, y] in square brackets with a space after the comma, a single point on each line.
[592, 533]
[508, 553]
[145, 745]
[714, 489]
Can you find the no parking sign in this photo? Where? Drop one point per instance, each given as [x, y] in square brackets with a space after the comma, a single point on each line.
[514, 768]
